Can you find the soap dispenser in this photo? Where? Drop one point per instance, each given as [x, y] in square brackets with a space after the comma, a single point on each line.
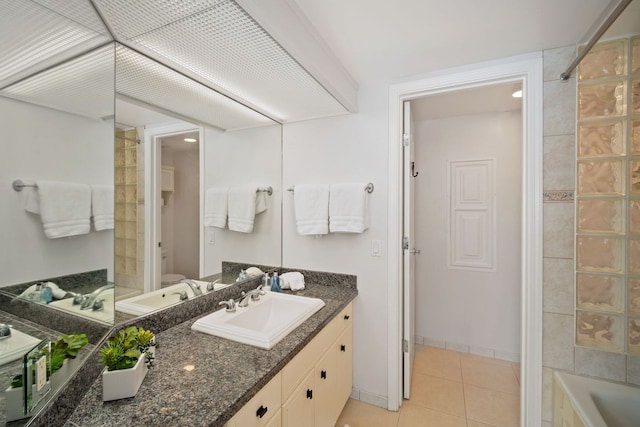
[275, 282]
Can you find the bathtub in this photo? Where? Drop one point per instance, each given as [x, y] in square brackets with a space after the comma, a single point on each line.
[600, 403]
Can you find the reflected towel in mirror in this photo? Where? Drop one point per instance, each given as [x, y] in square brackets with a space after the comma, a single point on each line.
[65, 208]
[215, 207]
[102, 206]
[242, 208]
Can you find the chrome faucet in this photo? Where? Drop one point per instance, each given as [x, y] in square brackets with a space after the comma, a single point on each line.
[212, 285]
[194, 286]
[254, 294]
[89, 300]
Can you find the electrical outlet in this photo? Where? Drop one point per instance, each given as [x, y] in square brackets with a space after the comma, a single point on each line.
[376, 248]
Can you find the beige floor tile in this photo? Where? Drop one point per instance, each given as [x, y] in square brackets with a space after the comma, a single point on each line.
[492, 407]
[438, 362]
[516, 371]
[360, 414]
[412, 415]
[471, 423]
[438, 394]
[493, 376]
[484, 359]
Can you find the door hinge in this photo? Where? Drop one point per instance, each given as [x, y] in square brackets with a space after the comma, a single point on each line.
[405, 243]
[405, 346]
[405, 139]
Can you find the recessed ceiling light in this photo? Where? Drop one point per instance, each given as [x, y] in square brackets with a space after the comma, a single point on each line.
[190, 140]
[517, 93]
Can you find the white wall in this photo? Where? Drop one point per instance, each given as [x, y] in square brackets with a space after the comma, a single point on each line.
[480, 310]
[242, 158]
[186, 200]
[349, 148]
[41, 143]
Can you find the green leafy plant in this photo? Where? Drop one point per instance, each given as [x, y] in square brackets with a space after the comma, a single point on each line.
[66, 347]
[123, 350]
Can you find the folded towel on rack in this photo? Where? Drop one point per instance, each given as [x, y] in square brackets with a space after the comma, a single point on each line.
[242, 208]
[293, 280]
[102, 202]
[215, 207]
[65, 208]
[348, 208]
[261, 202]
[32, 202]
[311, 203]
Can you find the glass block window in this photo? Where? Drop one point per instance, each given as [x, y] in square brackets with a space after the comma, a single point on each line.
[608, 198]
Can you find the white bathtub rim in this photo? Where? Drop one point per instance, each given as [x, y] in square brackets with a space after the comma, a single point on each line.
[579, 389]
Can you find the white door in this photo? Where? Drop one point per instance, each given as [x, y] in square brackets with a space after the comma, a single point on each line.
[408, 252]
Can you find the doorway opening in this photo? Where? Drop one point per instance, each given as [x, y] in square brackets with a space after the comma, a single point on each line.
[526, 71]
[174, 245]
[463, 260]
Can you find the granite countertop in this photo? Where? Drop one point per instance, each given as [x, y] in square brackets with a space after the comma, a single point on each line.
[225, 374]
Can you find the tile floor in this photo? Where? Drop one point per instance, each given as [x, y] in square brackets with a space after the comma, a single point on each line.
[449, 389]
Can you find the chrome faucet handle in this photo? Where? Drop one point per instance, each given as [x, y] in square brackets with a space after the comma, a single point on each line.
[212, 285]
[78, 299]
[98, 305]
[183, 295]
[5, 331]
[231, 305]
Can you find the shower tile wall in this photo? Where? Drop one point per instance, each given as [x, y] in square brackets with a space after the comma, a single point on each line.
[598, 292]
[129, 210]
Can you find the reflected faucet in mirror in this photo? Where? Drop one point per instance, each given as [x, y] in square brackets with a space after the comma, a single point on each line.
[88, 301]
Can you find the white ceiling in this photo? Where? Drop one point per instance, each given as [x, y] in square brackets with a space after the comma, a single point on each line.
[487, 99]
[381, 40]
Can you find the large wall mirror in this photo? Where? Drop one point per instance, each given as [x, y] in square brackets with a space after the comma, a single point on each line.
[84, 116]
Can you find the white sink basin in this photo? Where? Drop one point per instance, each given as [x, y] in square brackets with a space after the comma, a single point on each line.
[165, 297]
[104, 315]
[16, 346]
[263, 323]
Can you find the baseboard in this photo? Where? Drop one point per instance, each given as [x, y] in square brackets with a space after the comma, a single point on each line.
[466, 348]
[370, 398]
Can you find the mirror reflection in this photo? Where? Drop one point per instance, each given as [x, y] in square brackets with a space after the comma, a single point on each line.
[183, 152]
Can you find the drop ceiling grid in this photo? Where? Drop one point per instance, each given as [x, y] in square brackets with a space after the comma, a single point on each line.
[143, 79]
[31, 35]
[225, 48]
[82, 86]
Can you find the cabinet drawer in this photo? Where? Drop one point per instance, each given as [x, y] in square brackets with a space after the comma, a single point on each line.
[345, 318]
[262, 407]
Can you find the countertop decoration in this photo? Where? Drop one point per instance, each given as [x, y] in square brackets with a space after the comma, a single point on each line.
[127, 357]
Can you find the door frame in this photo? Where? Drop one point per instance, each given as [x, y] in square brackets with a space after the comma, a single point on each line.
[527, 69]
[153, 181]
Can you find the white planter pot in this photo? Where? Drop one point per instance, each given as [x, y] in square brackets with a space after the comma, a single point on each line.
[125, 382]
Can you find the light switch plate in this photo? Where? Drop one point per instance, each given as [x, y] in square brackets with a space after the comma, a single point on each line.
[376, 248]
[211, 237]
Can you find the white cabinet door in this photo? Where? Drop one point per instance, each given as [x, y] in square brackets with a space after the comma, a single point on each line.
[344, 365]
[325, 381]
[298, 411]
[167, 178]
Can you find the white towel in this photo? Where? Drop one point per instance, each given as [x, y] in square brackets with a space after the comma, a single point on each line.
[30, 292]
[312, 208]
[348, 208]
[32, 202]
[65, 208]
[215, 207]
[242, 208]
[261, 202]
[293, 280]
[102, 202]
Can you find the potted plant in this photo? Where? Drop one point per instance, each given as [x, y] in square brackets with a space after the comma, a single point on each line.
[63, 356]
[127, 356]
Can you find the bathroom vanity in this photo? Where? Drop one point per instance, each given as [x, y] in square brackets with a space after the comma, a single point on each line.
[203, 380]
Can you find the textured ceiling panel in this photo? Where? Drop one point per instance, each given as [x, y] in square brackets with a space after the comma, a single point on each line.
[34, 37]
[82, 86]
[224, 48]
[141, 79]
[129, 19]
